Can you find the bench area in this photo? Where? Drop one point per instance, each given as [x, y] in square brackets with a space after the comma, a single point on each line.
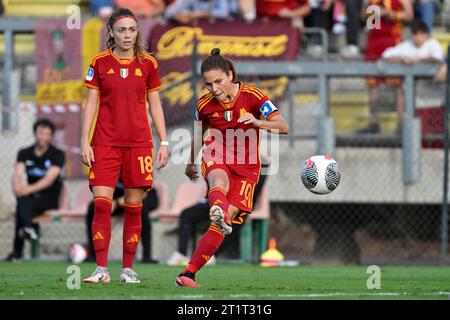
[253, 235]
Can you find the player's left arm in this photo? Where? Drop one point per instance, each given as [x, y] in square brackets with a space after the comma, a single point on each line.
[50, 177]
[273, 120]
[157, 113]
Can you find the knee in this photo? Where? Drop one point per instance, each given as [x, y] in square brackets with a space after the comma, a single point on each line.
[219, 182]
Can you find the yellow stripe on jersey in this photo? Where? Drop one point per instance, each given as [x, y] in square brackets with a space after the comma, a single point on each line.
[203, 103]
[257, 91]
[261, 92]
[203, 98]
[155, 88]
[91, 86]
[152, 59]
[257, 95]
[100, 55]
[272, 114]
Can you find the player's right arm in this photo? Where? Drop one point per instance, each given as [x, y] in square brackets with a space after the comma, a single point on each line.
[196, 144]
[18, 176]
[89, 111]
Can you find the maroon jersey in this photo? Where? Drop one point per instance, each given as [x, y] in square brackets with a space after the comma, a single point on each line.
[229, 142]
[271, 8]
[388, 35]
[122, 118]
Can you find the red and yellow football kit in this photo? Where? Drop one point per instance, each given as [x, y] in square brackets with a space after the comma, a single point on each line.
[232, 146]
[387, 35]
[122, 139]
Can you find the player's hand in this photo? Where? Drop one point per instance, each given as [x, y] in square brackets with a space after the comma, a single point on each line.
[441, 75]
[87, 154]
[22, 190]
[409, 60]
[285, 13]
[249, 118]
[191, 171]
[162, 157]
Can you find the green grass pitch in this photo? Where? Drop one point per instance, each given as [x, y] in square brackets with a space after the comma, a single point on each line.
[48, 280]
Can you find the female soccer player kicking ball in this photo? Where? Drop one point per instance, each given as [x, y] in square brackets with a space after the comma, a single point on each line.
[120, 81]
[233, 112]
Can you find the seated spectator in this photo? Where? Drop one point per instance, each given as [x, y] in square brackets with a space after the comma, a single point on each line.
[188, 11]
[102, 8]
[426, 10]
[193, 217]
[41, 164]
[421, 48]
[282, 8]
[143, 8]
[149, 203]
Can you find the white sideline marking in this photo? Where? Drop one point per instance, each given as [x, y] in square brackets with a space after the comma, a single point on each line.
[298, 295]
[342, 294]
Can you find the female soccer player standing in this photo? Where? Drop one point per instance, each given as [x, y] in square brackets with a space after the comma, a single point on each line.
[234, 113]
[120, 81]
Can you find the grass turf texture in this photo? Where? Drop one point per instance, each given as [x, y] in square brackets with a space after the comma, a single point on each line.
[47, 280]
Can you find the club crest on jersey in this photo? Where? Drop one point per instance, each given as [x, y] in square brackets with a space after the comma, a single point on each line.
[267, 108]
[124, 73]
[90, 74]
[228, 115]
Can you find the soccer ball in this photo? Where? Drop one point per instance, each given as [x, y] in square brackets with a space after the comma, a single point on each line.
[320, 174]
[78, 253]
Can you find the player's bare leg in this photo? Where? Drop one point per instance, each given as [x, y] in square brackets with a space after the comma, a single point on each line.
[207, 247]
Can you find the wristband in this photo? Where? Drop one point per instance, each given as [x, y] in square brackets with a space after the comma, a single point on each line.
[164, 143]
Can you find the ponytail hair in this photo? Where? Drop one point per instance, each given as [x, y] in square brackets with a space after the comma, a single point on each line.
[215, 61]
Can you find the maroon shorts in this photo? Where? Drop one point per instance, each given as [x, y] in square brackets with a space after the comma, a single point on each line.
[134, 164]
[242, 187]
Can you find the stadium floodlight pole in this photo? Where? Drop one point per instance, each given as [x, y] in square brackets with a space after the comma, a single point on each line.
[444, 217]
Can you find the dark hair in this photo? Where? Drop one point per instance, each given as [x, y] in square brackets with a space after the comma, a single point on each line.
[219, 62]
[139, 46]
[419, 26]
[46, 123]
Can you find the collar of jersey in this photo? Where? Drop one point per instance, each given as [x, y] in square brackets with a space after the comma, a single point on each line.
[121, 61]
[230, 105]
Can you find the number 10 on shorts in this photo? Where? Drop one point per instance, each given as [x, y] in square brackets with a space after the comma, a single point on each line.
[247, 193]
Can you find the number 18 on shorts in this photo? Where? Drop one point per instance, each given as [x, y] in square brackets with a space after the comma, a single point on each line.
[134, 164]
